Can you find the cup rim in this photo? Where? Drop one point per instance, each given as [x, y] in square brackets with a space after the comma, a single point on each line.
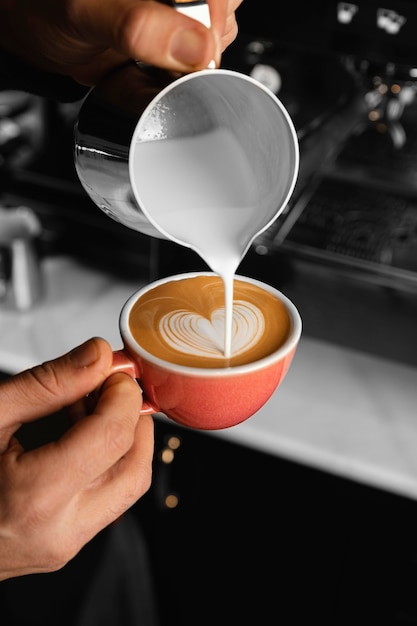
[211, 372]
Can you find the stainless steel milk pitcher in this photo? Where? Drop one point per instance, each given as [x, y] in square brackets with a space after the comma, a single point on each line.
[135, 105]
[102, 140]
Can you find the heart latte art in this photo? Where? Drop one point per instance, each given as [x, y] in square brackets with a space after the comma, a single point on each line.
[192, 333]
[183, 321]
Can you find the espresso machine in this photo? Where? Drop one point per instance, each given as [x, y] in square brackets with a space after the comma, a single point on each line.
[347, 73]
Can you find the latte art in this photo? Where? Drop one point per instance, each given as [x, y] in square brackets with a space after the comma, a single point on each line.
[183, 321]
[194, 334]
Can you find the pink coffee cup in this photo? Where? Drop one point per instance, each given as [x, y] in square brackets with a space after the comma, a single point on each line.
[206, 398]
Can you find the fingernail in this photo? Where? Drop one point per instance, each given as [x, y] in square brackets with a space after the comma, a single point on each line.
[188, 47]
[84, 355]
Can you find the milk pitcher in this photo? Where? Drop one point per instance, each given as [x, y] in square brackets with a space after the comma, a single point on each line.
[136, 105]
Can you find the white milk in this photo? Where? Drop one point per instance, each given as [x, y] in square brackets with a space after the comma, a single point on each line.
[202, 193]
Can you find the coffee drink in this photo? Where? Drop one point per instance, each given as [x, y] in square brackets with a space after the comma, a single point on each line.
[173, 333]
[183, 322]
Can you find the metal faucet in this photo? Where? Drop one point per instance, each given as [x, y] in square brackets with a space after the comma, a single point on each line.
[21, 283]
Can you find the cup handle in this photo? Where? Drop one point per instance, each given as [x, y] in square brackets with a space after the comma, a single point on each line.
[122, 362]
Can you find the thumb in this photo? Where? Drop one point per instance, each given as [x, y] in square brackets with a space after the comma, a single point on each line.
[51, 386]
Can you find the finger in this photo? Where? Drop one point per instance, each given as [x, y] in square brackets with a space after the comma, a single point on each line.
[92, 445]
[218, 14]
[230, 30]
[49, 387]
[126, 482]
[53, 530]
[78, 410]
[151, 32]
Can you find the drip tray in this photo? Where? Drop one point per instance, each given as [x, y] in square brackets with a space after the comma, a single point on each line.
[353, 226]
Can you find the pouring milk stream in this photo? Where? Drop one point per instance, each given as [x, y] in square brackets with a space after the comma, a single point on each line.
[212, 161]
[208, 202]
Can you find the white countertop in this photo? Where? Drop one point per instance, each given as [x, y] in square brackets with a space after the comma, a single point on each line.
[337, 410]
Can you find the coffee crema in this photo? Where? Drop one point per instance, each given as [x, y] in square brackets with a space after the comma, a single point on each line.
[183, 322]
